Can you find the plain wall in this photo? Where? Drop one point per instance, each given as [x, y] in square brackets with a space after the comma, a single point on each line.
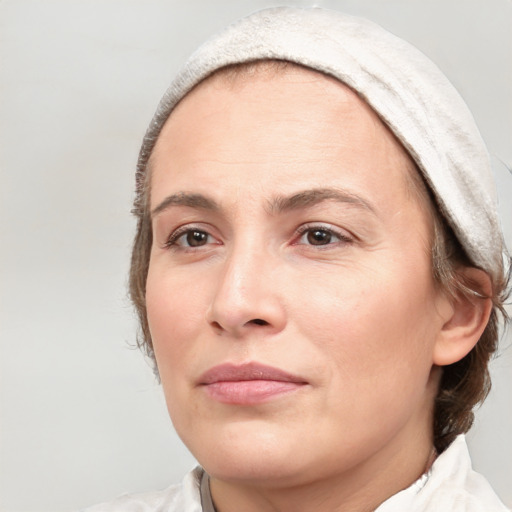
[82, 417]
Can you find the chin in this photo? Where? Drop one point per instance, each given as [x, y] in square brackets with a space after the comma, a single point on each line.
[250, 451]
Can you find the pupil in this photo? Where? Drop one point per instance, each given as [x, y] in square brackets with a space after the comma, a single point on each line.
[196, 238]
[319, 237]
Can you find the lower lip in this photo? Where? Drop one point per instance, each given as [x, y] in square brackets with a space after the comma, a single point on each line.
[249, 392]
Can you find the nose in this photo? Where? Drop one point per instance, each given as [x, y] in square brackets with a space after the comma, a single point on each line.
[247, 297]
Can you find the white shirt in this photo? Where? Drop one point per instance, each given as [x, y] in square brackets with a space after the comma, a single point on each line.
[451, 485]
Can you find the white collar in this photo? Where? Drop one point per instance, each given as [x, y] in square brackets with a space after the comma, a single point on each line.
[449, 485]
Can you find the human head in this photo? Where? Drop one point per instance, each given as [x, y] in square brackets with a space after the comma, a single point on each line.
[413, 101]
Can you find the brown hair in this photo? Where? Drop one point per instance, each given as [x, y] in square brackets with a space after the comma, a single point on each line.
[464, 384]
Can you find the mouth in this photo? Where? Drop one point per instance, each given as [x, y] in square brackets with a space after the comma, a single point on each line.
[248, 384]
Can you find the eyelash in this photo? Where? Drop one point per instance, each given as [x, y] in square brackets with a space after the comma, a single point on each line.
[342, 237]
[172, 241]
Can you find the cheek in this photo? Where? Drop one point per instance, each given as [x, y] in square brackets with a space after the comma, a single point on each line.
[372, 329]
[175, 312]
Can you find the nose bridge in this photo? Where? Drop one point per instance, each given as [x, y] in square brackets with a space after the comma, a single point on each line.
[246, 295]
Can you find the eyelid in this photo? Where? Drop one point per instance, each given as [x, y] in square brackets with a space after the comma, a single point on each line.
[341, 234]
[176, 234]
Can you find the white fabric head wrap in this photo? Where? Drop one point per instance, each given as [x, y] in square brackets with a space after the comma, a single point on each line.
[409, 93]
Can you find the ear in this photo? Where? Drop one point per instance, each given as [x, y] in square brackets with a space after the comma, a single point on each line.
[466, 321]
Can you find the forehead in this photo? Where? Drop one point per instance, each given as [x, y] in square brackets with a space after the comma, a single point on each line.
[279, 115]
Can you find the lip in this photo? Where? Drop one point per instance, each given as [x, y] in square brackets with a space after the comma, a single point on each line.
[249, 383]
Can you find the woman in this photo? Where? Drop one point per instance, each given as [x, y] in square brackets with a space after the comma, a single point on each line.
[318, 271]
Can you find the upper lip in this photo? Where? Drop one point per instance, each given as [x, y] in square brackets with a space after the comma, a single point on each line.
[229, 372]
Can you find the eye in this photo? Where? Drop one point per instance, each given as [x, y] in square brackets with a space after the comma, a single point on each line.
[195, 238]
[189, 238]
[321, 236]
[318, 237]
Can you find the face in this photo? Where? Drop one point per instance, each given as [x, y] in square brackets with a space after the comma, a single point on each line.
[289, 296]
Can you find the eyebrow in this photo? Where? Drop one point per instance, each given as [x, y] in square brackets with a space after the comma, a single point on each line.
[312, 197]
[277, 205]
[186, 199]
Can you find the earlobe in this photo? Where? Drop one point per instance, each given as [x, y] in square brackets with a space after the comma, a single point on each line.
[469, 317]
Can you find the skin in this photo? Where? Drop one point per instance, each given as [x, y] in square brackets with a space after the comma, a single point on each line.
[356, 316]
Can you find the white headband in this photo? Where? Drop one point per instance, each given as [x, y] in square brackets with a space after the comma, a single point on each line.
[410, 94]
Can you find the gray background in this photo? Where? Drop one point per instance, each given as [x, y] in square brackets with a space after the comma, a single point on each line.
[83, 419]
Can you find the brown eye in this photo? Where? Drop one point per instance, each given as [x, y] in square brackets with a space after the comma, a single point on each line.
[318, 237]
[196, 238]
[322, 236]
[189, 238]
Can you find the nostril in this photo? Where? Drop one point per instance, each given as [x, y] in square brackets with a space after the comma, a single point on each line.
[258, 321]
